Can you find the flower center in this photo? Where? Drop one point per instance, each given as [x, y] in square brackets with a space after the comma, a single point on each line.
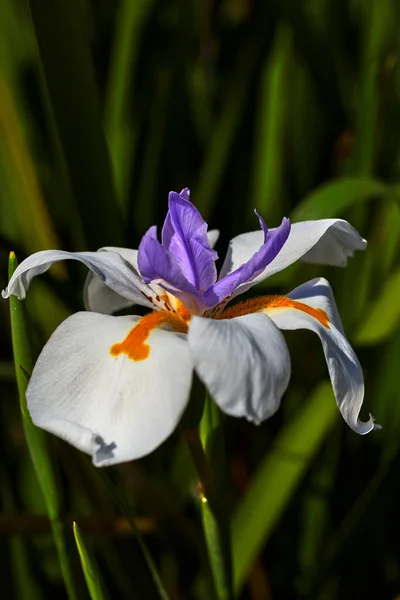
[268, 303]
[134, 345]
[177, 306]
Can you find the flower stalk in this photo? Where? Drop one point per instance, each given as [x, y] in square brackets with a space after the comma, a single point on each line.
[36, 441]
[207, 451]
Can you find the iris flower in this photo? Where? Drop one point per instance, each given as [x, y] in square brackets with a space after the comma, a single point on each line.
[116, 386]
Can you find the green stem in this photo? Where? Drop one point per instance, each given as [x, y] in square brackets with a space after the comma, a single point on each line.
[36, 439]
[200, 461]
[208, 458]
[126, 511]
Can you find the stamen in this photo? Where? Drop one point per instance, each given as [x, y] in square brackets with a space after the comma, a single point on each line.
[134, 345]
[269, 303]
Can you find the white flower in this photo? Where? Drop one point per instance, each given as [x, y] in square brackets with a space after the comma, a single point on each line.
[116, 387]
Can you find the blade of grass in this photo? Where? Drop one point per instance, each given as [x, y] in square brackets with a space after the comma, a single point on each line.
[144, 209]
[314, 50]
[221, 142]
[383, 315]
[25, 585]
[126, 510]
[119, 129]
[69, 78]
[337, 196]
[270, 128]
[28, 207]
[36, 438]
[385, 388]
[208, 453]
[277, 478]
[304, 142]
[376, 25]
[354, 518]
[316, 520]
[90, 568]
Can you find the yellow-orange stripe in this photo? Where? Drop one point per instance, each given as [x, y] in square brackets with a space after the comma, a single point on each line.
[265, 303]
[134, 345]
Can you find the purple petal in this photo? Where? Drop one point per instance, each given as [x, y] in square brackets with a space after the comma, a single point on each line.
[185, 194]
[184, 235]
[156, 264]
[273, 243]
[262, 225]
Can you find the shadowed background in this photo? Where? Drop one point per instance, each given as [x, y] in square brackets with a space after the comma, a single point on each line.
[285, 106]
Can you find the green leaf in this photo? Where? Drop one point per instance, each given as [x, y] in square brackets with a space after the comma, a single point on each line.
[220, 144]
[119, 129]
[268, 173]
[26, 206]
[383, 316]
[125, 508]
[376, 20]
[277, 477]
[144, 213]
[385, 389]
[24, 584]
[337, 196]
[69, 78]
[90, 568]
[214, 501]
[35, 437]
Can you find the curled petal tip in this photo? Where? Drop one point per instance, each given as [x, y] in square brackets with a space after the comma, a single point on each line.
[185, 193]
[364, 427]
[286, 223]
[376, 425]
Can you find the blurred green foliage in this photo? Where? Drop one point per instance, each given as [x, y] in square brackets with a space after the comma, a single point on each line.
[290, 107]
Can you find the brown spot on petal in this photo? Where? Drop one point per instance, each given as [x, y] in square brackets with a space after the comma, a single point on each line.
[182, 310]
[173, 303]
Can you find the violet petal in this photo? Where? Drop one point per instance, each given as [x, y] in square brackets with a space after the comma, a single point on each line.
[156, 264]
[273, 243]
[185, 193]
[184, 235]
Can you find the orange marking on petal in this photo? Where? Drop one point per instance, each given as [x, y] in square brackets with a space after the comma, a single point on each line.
[134, 345]
[182, 310]
[266, 303]
[173, 303]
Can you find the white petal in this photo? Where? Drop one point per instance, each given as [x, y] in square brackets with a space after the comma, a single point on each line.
[324, 241]
[212, 237]
[114, 408]
[110, 267]
[343, 365]
[98, 297]
[244, 362]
